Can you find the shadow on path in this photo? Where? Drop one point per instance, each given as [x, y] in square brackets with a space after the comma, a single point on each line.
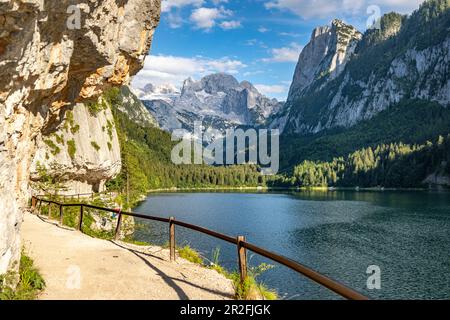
[171, 280]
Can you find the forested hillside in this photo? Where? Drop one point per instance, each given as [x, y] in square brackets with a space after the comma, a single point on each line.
[410, 122]
[387, 165]
[391, 90]
[146, 161]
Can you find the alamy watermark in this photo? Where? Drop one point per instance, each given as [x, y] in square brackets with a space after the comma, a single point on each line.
[73, 281]
[374, 20]
[374, 278]
[74, 11]
[234, 147]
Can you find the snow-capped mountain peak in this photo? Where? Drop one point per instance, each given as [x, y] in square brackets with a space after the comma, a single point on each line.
[219, 100]
[164, 92]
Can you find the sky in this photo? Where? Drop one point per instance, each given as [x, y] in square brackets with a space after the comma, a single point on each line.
[254, 40]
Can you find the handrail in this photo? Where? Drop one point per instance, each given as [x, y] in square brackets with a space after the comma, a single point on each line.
[75, 194]
[240, 242]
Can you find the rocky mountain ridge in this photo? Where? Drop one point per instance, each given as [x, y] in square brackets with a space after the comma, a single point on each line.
[343, 77]
[218, 100]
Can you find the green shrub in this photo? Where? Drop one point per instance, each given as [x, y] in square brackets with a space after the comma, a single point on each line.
[75, 129]
[54, 149]
[96, 107]
[59, 138]
[95, 145]
[109, 126]
[71, 148]
[251, 289]
[190, 254]
[30, 283]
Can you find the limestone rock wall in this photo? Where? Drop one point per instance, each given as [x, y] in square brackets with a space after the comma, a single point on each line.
[83, 150]
[48, 65]
[343, 77]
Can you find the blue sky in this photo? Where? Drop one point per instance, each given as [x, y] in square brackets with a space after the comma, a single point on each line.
[255, 40]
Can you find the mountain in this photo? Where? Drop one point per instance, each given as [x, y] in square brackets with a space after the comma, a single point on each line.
[130, 104]
[344, 77]
[165, 92]
[218, 100]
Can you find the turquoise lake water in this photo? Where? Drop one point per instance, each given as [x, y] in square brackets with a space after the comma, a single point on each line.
[338, 233]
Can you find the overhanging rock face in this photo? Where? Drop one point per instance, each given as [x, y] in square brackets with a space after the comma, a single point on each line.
[53, 55]
[83, 151]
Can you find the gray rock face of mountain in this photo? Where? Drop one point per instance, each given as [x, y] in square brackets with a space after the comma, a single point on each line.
[218, 100]
[327, 53]
[135, 109]
[343, 78]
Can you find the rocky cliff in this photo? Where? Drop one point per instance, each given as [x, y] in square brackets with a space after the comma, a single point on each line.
[83, 151]
[343, 78]
[56, 56]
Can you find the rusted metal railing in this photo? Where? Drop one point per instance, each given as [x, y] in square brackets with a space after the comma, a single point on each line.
[241, 244]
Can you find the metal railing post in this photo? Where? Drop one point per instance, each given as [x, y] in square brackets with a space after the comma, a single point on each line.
[119, 223]
[80, 223]
[61, 214]
[33, 203]
[172, 238]
[242, 258]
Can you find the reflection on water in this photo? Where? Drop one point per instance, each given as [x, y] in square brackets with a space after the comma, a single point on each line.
[338, 233]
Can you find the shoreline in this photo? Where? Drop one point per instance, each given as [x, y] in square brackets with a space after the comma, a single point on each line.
[265, 189]
[269, 189]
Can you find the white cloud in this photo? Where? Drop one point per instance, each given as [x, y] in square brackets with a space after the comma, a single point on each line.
[252, 73]
[285, 54]
[289, 34]
[175, 20]
[232, 24]
[263, 29]
[167, 5]
[255, 42]
[216, 2]
[339, 8]
[269, 90]
[206, 18]
[174, 70]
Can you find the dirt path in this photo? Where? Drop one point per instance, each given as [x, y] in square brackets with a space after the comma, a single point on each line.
[76, 266]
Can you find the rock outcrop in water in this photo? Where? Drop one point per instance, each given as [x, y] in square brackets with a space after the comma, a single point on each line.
[50, 66]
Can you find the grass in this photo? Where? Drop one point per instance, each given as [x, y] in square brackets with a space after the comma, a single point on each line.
[190, 254]
[30, 283]
[136, 242]
[250, 289]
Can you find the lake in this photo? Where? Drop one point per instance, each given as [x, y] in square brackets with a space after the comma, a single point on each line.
[338, 233]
